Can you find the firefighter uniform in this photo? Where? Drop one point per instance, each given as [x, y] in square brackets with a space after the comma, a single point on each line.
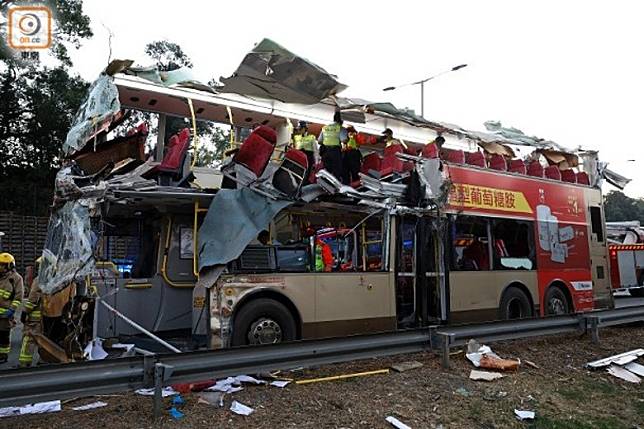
[10, 300]
[32, 323]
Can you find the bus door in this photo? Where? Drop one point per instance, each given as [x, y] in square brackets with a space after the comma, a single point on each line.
[420, 281]
[430, 283]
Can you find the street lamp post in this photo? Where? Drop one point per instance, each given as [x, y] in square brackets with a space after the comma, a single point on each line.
[422, 85]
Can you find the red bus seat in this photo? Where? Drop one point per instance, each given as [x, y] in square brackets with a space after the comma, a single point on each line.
[517, 166]
[429, 151]
[535, 169]
[257, 149]
[582, 178]
[316, 168]
[475, 158]
[569, 176]
[553, 172]
[390, 162]
[456, 156]
[371, 162]
[498, 162]
[175, 154]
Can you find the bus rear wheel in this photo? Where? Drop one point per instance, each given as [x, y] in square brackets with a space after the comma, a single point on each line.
[556, 302]
[515, 304]
[263, 321]
[637, 293]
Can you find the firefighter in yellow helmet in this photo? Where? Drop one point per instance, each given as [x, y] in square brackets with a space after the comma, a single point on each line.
[31, 319]
[10, 300]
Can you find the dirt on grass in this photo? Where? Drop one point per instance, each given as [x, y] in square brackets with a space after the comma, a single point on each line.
[560, 390]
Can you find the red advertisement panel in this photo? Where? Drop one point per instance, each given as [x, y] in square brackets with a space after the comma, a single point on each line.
[558, 212]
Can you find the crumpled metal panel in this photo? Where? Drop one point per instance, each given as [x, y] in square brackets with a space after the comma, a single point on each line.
[234, 219]
[101, 104]
[68, 252]
[270, 71]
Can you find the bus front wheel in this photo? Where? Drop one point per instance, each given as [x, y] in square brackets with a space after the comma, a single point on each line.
[515, 304]
[263, 321]
[556, 302]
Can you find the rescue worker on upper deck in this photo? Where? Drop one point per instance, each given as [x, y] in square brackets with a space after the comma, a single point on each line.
[331, 139]
[352, 158]
[388, 137]
[307, 143]
[31, 319]
[10, 301]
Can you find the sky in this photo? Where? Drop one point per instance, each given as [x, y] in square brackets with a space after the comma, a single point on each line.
[569, 71]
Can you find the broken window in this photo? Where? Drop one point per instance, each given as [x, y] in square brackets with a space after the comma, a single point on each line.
[470, 244]
[131, 244]
[513, 244]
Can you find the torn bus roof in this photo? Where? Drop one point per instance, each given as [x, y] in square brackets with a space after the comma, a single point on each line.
[270, 71]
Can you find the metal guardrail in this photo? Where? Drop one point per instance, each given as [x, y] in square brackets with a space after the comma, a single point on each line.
[23, 386]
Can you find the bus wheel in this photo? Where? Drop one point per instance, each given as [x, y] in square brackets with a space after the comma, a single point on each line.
[263, 321]
[556, 302]
[515, 304]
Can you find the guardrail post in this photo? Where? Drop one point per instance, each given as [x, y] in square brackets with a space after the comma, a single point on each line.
[446, 342]
[162, 373]
[592, 325]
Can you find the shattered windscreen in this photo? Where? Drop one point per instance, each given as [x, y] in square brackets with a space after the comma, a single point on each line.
[68, 251]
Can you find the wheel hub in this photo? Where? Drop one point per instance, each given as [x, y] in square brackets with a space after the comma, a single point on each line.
[264, 331]
[557, 306]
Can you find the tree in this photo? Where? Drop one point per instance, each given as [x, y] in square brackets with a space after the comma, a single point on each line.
[37, 104]
[167, 55]
[619, 207]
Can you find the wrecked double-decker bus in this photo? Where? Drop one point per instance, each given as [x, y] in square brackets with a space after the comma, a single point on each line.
[256, 250]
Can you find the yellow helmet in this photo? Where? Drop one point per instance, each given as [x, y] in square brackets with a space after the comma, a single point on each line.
[8, 260]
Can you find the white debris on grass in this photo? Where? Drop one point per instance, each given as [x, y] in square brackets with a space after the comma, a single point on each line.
[621, 359]
[280, 383]
[37, 408]
[166, 391]
[524, 414]
[484, 375]
[90, 406]
[397, 423]
[475, 352]
[233, 384]
[241, 409]
[624, 374]
[635, 368]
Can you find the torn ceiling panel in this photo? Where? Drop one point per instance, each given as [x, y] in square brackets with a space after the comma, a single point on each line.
[96, 112]
[615, 179]
[270, 71]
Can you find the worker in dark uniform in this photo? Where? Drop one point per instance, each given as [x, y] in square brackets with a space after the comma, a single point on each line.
[331, 139]
[307, 143]
[31, 320]
[10, 301]
[351, 158]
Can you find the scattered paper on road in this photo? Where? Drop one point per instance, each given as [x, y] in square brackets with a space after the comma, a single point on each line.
[248, 379]
[212, 398]
[241, 409]
[524, 414]
[90, 406]
[280, 383]
[635, 368]
[484, 375]
[37, 408]
[226, 385]
[397, 423]
[624, 374]
[166, 391]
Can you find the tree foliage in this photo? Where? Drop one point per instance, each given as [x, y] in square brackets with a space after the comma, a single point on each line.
[37, 104]
[167, 55]
[619, 207]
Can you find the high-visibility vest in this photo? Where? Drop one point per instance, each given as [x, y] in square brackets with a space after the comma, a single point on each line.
[319, 262]
[331, 134]
[304, 142]
[352, 143]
